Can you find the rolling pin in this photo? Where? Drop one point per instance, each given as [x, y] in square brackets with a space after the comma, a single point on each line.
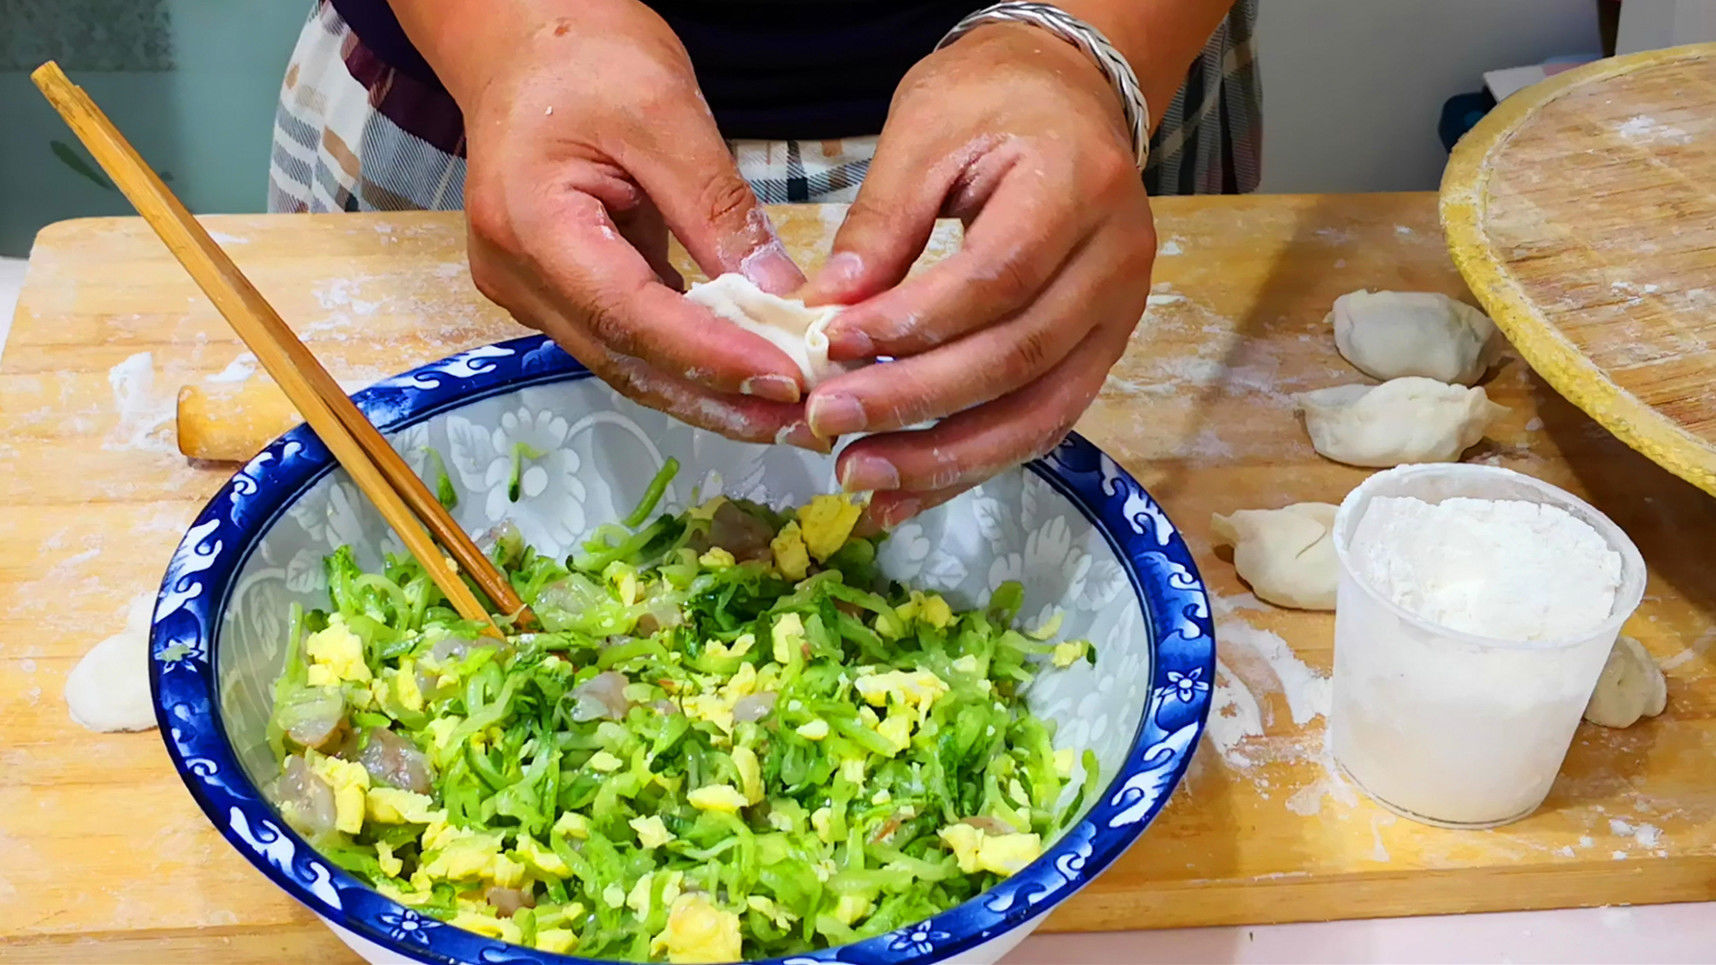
[232, 421]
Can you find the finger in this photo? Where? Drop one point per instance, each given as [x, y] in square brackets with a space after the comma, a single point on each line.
[967, 448]
[887, 510]
[645, 228]
[1024, 231]
[712, 210]
[1095, 284]
[596, 279]
[741, 417]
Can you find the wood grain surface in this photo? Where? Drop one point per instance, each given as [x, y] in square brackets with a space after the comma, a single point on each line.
[1583, 213]
[105, 858]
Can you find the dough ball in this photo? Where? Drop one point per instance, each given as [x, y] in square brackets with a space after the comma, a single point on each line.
[108, 690]
[1390, 335]
[1286, 555]
[1400, 421]
[787, 323]
[1631, 686]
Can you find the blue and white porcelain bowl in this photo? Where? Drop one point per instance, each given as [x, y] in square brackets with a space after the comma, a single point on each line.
[1074, 528]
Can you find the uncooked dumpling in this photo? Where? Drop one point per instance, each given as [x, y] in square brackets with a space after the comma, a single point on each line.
[1631, 686]
[108, 690]
[792, 327]
[1390, 335]
[1285, 555]
[1400, 421]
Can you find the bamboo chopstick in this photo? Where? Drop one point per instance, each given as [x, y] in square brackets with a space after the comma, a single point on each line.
[372, 463]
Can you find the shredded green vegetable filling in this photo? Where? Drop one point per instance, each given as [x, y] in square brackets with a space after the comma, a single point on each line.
[732, 738]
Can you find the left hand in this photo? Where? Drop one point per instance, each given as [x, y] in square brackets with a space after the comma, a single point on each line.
[1016, 133]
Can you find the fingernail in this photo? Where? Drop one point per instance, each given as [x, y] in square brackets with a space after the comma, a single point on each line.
[863, 472]
[850, 343]
[895, 513]
[839, 272]
[772, 270]
[799, 434]
[835, 415]
[775, 388]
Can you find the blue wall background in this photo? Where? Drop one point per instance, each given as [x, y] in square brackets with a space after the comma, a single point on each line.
[192, 83]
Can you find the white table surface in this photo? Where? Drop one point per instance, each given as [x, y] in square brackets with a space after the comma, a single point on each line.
[1660, 934]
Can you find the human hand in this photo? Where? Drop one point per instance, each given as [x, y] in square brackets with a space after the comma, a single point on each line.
[589, 140]
[1007, 341]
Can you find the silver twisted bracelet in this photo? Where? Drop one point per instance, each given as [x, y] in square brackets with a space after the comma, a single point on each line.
[1086, 38]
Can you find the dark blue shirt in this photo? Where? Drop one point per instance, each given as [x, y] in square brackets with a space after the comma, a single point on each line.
[776, 69]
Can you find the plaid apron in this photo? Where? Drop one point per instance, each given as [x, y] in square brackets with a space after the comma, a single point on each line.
[352, 134]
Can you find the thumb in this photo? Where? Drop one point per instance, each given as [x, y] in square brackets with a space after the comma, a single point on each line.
[713, 212]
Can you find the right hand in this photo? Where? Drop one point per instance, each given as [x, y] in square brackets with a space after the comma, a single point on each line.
[588, 140]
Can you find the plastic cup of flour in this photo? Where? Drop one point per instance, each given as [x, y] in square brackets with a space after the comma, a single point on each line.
[1445, 726]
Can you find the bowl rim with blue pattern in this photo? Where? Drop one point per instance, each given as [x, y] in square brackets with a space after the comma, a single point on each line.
[200, 577]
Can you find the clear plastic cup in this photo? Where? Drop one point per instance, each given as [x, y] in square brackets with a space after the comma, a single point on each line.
[1448, 728]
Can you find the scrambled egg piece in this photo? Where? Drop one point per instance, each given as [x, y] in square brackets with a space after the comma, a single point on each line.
[390, 865]
[474, 858]
[717, 558]
[350, 783]
[390, 805]
[827, 522]
[750, 773]
[1050, 627]
[336, 654]
[717, 797]
[792, 559]
[540, 859]
[605, 762]
[639, 900]
[915, 690]
[787, 635]
[775, 913]
[572, 825]
[978, 850]
[740, 646]
[850, 908]
[822, 820]
[928, 607]
[651, 832]
[1069, 653]
[556, 941]
[697, 931]
[485, 923]
[814, 730]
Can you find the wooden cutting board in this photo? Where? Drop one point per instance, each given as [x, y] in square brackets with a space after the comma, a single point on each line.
[1583, 213]
[104, 857]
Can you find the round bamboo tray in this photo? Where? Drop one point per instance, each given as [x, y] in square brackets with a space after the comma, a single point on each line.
[1582, 213]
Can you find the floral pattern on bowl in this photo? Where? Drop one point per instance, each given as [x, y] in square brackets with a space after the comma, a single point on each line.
[523, 432]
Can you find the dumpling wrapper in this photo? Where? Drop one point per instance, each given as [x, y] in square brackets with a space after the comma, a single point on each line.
[1408, 420]
[788, 324]
[108, 690]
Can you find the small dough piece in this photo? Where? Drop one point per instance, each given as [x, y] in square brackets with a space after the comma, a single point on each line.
[1286, 555]
[787, 323]
[1631, 686]
[1390, 335]
[108, 690]
[1400, 421]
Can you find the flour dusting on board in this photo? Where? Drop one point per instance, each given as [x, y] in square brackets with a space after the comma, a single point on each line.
[142, 407]
[1644, 129]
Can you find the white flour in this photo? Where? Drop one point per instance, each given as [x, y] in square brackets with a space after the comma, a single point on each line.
[1506, 569]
